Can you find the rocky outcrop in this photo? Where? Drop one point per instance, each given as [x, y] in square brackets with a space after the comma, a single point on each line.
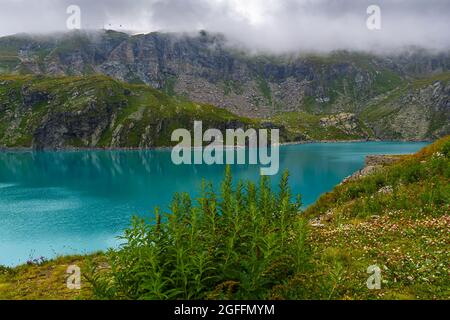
[381, 160]
[418, 111]
[367, 170]
[66, 129]
[98, 112]
[372, 164]
[347, 122]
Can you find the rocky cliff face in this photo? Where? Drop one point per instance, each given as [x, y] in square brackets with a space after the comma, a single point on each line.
[416, 111]
[97, 112]
[206, 69]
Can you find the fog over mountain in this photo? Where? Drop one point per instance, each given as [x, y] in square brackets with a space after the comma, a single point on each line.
[276, 26]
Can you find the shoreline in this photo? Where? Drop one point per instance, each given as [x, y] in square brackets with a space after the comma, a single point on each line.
[167, 148]
[366, 170]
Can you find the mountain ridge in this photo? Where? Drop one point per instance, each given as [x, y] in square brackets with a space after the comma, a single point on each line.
[381, 92]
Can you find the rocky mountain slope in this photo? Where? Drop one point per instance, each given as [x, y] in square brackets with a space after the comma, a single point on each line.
[418, 109]
[382, 92]
[97, 112]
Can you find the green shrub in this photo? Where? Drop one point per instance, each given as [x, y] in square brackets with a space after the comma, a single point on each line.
[5, 270]
[446, 149]
[411, 173]
[235, 244]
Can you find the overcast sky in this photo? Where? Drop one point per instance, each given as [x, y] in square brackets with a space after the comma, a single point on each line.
[276, 25]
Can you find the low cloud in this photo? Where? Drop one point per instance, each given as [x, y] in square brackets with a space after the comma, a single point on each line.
[271, 25]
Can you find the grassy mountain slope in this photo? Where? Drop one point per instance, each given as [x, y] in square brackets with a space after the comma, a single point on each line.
[396, 218]
[96, 111]
[416, 109]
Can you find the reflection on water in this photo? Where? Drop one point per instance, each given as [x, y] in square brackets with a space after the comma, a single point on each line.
[76, 202]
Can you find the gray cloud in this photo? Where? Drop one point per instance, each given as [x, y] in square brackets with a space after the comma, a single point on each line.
[273, 25]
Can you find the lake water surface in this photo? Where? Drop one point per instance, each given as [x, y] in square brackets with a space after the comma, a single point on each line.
[54, 203]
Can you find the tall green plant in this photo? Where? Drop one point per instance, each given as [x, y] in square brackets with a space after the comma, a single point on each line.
[238, 243]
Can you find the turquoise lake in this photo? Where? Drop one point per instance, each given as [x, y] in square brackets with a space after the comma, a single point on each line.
[54, 203]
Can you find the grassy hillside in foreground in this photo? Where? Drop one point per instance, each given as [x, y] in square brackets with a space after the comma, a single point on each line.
[397, 218]
[97, 111]
[256, 244]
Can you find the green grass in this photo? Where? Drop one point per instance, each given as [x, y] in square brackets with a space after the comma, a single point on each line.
[423, 171]
[265, 89]
[46, 280]
[8, 63]
[169, 86]
[402, 231]
[443, 77]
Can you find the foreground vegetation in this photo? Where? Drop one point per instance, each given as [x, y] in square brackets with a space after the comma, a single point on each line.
[249, 242]
[239, 243]
[45, 280]
[397, 218]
